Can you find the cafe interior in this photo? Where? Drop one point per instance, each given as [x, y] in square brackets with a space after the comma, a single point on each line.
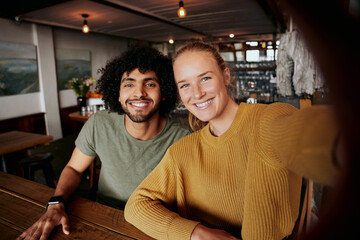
[46, 46]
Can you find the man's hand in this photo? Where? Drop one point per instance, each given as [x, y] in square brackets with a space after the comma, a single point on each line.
[54, 216]
[201, 232]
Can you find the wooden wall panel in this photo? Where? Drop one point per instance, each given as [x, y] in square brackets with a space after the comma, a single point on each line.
[34, 123]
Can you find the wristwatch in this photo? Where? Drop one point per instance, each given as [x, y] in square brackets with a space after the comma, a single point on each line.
[55, 200]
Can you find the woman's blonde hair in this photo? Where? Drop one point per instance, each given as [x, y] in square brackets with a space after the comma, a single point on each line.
[194, 122]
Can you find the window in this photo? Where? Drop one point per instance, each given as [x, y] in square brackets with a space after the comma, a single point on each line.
[228, 56]
[253, 55]
[238, 46]
[240, 56]
[270, 55]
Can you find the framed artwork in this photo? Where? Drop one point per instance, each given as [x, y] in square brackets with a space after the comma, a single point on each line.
[18, 69]
[71, 63]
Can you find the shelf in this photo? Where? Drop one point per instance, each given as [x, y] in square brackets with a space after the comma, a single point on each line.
[253, 69]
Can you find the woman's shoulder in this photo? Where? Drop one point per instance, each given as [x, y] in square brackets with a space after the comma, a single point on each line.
[190, 140]
[273, 109]
[276, 106]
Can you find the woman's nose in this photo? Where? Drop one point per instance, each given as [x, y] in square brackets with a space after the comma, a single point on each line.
[198, 91]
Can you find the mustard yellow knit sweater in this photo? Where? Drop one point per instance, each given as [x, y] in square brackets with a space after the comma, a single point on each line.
[246, 182]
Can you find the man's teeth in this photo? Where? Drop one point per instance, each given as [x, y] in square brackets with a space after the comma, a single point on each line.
[204, 103]
[139, 104]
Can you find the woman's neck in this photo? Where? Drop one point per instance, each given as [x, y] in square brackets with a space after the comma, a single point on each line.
[221, 124]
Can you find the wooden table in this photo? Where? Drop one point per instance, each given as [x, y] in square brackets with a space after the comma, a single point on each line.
[14, 141]
[77, 116]
[22, 202]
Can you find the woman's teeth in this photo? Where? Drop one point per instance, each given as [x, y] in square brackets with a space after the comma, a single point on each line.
[203, 104]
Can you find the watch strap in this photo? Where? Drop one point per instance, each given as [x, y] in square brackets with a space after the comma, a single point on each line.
[55, 200]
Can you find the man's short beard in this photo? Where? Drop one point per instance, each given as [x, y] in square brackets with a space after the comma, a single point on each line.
[141, 118]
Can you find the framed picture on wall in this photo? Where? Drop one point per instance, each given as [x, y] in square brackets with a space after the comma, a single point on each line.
[18, 69]
[71, 63]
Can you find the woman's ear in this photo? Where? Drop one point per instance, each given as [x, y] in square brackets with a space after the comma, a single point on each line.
[227, 76]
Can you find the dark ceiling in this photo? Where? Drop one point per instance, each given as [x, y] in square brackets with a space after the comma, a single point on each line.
[154, 20]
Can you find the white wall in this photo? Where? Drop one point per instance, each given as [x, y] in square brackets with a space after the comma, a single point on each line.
[47, 71]
[25, 104]
[102, 48]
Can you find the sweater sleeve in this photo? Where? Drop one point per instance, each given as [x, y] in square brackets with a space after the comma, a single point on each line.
[302, 140]
[149, 206]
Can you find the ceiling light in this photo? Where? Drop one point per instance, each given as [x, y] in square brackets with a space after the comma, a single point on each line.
[171, 41]
[181, 11]
[85, 27]
[231, 35]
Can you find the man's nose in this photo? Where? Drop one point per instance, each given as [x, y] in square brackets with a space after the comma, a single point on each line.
[139, 91]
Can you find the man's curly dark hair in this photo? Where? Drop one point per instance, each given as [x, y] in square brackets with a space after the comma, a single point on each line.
[144, 58]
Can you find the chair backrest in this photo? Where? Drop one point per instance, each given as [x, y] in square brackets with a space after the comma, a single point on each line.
[303, 223]
[305, 215]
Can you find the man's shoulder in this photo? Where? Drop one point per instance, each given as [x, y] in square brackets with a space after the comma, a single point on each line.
[177, 125]
[173, 131]
[104, 122]
[104, 115]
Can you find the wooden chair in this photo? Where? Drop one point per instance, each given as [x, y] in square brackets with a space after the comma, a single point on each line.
[304, 222]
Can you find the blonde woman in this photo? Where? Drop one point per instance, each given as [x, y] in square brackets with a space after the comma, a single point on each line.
[240, 175]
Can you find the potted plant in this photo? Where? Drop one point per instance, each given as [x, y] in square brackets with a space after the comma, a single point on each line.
[81, 87]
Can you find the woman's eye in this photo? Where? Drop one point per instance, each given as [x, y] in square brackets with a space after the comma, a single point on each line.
[184, 86]
[205, 79]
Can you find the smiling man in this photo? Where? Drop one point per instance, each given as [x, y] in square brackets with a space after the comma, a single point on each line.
[140, 95]
[130, 137]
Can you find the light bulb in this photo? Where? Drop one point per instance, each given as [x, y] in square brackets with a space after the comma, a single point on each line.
[85, 28]
[181, 11]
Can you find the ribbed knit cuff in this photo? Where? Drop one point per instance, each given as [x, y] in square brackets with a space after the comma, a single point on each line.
[181, 228]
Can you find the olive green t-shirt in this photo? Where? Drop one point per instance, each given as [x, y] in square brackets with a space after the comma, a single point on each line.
[125, 160]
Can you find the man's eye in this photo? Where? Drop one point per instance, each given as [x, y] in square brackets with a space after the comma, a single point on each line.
[150, 85]
[128, 85]
[205, 79]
